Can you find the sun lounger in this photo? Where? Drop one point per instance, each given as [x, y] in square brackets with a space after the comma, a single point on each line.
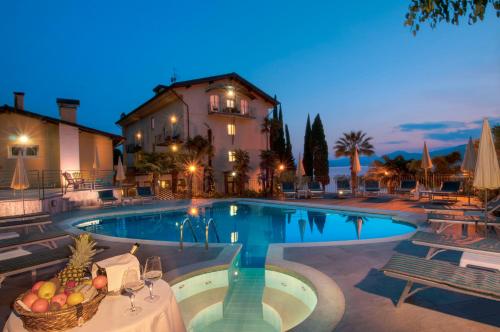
[406, 187]
[448, 220]
[71, 181]
[439, 242]
[107, 198]
[372, 187]
[16, 224]
[37, 260]
[449, 190]
[315, 190]
[343, 187]
[47, 238]
[25, 216]
[440, 274]
[288, 189]
[493, 206]
[145, 194]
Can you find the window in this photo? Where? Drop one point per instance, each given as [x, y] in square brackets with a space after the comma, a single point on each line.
[30, 151]
[152, 123]
[244, 106]
[230, 103]
[231, 156]
[214, 103]
[231, 129]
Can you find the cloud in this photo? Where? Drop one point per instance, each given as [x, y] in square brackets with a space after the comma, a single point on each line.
[428, 126]
[455, 135]
[395, 142]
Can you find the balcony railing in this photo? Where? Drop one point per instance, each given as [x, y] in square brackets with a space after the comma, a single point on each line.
[231, 111]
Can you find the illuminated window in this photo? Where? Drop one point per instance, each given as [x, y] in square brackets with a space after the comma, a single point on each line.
[214, 102]
[230, 103]
[244, 106]
[152, 123]
[231, 156]
[30, 151]
[231, 129]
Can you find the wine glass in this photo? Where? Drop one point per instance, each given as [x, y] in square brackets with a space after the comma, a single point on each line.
[152, 272]
[132, 283]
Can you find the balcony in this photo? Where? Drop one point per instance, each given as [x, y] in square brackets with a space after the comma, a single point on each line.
[133, 148]
[167, 140]
[231, 111]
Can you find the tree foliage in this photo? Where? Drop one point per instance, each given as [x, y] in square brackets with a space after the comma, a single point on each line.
[449, 11]
[268, 163]
[320, 152]
[241, 167]
[290, 160]
[307, 158]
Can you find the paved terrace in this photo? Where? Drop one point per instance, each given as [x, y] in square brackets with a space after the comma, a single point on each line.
[370, 296]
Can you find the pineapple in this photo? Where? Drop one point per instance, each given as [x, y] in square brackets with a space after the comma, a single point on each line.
[80, 260]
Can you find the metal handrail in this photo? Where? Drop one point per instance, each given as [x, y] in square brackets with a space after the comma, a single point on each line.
[181, 241]
[207, 226]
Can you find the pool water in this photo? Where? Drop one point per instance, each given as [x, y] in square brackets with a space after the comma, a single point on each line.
[254, 225]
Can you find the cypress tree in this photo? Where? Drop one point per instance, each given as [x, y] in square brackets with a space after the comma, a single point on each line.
[280, 139]
[320, 152]
[288, 151]
[307, 159]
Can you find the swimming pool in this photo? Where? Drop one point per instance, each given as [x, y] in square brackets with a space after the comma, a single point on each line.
[254, 225]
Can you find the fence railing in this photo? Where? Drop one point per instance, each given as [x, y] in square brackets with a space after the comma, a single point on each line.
[43, 183]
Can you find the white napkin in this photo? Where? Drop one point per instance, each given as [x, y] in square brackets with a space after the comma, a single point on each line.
[115, 267]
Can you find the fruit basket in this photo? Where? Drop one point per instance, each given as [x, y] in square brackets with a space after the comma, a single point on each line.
[69, 299]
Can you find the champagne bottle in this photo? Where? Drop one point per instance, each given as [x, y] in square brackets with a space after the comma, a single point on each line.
[134, 248]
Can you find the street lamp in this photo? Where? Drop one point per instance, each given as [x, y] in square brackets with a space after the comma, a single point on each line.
[192, 168]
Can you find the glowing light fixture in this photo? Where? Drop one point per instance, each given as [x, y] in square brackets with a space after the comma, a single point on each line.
[230, 92]
[138, 135]
[23, 139]
[233, 173]
[281, 167]
[193, 211]
[174, 148]
[173, 119]
[192, 168]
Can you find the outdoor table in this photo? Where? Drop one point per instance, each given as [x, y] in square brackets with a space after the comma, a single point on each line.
[163, 315]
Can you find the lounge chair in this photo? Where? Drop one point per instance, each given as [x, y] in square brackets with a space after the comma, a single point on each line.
[447, 220]
[145, 194]
[107, 198]
[316, 190]
[27, 216]
[303, 190]
[440, 274]
[439, 242]
[37, 260]
[288, 189]
[71, 181]
[372, 187]
[47, 238]
[407, 187]
[343, 187]
[20, 223]
[493, 206]
[448, 190]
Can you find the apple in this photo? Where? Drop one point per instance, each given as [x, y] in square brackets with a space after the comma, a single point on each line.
[100, 282]
[40, 305]
[29, 298]
[47, 290]
[37, 286]
[75, 298]
[71, 284]
[59, 298]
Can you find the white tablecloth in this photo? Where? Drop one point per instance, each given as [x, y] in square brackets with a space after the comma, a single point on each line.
[163, 315]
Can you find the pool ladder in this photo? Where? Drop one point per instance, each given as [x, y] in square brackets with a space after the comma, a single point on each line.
[210, 221]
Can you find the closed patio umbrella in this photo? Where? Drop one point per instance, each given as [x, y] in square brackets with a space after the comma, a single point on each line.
[487, 173]
[356, 168]
[20, 178]
[469, 163]
[95, 165]
[120, 173]
[426, 162]
[300, 173]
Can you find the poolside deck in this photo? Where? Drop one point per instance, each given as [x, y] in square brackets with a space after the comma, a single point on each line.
[369, 294]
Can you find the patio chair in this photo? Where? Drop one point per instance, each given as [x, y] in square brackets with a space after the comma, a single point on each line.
[439, 242]
[372, 187]
[343, 187]
[441, 274]
[46, 238]
[447, 220]
[407, 187]
[315, 190]
[303, 190]
[40, 223]
[288, 189]
[71, 181]
[107, 198]
[27, 216]
[145, 194]
[37, 260]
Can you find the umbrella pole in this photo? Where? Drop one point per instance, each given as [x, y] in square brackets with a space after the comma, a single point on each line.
[486, 212]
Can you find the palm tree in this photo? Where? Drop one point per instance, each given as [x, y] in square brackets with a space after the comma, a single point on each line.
[241, 167]
[156, 164]
[266, 129]
[268, 163]
[347, 145]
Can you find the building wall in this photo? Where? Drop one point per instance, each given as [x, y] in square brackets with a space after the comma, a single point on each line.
[88, 145]
[69, 139]
[44, 135]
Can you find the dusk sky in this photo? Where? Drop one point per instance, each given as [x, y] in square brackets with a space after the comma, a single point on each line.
[352, 62]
